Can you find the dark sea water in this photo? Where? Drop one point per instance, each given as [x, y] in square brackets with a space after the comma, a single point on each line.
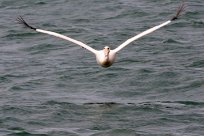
[51, 87]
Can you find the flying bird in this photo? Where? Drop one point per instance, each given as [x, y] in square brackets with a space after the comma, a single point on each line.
[106, 56]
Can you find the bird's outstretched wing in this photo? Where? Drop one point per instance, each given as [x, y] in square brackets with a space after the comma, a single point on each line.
[178, 13]
[22, 21]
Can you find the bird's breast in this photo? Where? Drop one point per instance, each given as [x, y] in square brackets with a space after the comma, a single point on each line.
[106, 63]
[103, 60]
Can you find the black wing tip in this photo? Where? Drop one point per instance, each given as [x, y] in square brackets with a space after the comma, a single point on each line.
[22, 21]
[179, 11]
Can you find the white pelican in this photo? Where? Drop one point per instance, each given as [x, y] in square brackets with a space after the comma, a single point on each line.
[104, 57]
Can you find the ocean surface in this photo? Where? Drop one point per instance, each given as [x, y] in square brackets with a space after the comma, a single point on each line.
[51, 87]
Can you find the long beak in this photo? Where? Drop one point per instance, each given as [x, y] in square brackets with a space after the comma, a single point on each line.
[106, 51]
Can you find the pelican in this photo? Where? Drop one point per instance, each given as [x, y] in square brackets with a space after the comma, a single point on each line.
[106, 56]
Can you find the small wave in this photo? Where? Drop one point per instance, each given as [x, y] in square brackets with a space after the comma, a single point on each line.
[193, 14]
[196, 84]
[198, 24]
[197, 64]
[52, 102]
[156, 105]
[117, 132]
[41, 48]
[4, 79]
[128, 14]
[186, 103]
[57, 132]
[171, 41]
[40, 3]
[168, 74]
[14, 35]
[102, 104]
[190, 103]
[22, 132]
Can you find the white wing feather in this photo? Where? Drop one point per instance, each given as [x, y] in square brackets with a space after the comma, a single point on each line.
[178, 13]
[22, 21]
[68, 39]
[141, 35]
